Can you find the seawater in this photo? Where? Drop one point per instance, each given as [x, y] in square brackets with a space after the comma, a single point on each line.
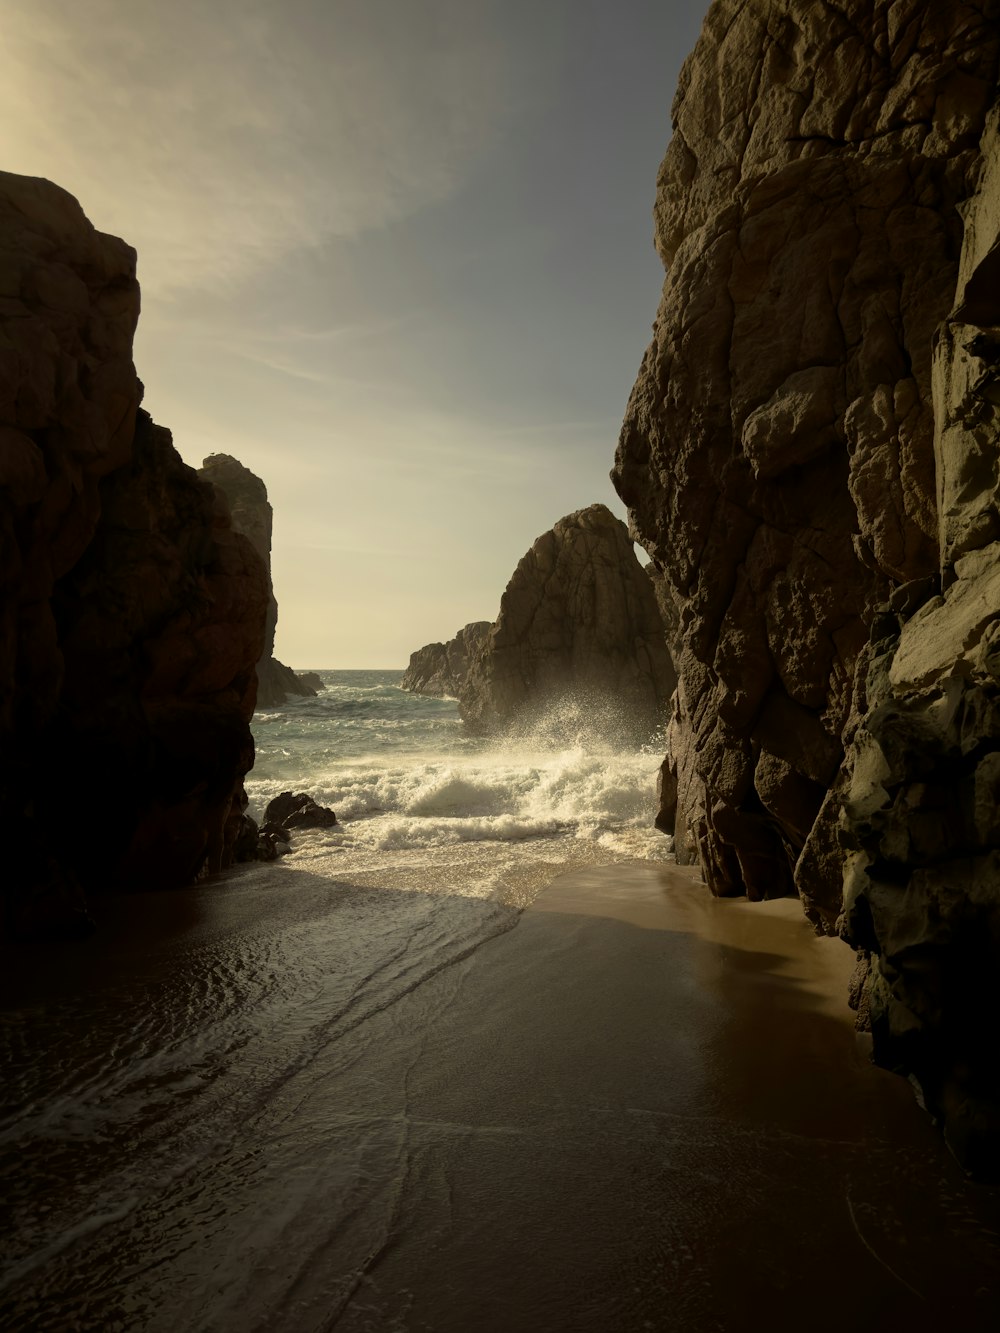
[359, 1090]
[207, 1120]
[423, 804]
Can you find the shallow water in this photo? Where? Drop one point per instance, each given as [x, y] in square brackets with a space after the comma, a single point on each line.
[424, 805]
[281, 1104]
[361, 1089]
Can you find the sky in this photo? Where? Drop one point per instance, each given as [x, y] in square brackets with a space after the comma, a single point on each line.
[396, 256]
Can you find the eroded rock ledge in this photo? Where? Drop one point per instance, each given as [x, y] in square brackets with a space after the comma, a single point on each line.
[132, 614]
[809, 455]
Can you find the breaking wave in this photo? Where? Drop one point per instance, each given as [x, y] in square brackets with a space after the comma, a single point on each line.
[407, 781]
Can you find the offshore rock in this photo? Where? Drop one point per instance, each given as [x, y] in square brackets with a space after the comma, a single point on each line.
[252, 515]
[921, 816]
[579, 643]
[439, 669]
[290, 810]
[777, 455]
[131, 614]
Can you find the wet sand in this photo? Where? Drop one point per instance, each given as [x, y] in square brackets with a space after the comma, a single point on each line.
[636, 1108]
[657, 1116]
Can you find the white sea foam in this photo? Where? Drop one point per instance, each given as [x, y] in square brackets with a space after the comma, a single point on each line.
[411, 789]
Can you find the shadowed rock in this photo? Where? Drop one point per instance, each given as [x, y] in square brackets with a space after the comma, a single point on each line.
[921, 812]
[131, 613]
[809, 455]
[290, 810]
[252, 515]
[777, 453]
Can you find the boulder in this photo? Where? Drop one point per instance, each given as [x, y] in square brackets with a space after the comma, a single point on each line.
[579, 644]
[291, 810]
[131, 613]
[439, 669]
[251, 514]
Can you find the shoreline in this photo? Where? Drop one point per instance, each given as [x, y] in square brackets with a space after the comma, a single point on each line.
[631, 1106]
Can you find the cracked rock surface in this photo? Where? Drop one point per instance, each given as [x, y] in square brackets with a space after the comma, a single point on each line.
[777, 455]
[810, 457]
[921, 817]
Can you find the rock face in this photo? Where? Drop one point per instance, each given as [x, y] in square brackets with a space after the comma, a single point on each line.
[922, 810]
[809, 455]
[777, 454]
[579, 640]
[131, 613]
[439, 669]
[252, 515]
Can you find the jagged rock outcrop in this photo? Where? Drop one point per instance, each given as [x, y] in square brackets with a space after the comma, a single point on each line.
[777, 452]
[252, 515]
[439, 669]
[922, 810]
[131, 613]
[809, 455]
[579, 642]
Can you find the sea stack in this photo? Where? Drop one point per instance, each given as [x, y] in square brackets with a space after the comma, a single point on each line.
[439, 669]
[252, 515]
[132, 613]
[809, 456]
[579, 643]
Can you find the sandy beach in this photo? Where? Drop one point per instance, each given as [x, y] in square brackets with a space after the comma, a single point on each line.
[659, 1117]
[630, 1107]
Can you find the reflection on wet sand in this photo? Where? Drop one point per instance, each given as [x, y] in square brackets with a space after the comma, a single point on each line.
[312, 1105]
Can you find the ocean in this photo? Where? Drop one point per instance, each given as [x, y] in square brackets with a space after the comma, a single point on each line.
[424, 805]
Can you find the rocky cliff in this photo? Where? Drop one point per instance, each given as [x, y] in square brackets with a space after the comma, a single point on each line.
[131, 613]
[809, 455]
[439, 669]
[251, 514]
[921, 811]
[579, 640]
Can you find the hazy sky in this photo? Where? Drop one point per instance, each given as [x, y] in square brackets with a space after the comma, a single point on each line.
[396, 256]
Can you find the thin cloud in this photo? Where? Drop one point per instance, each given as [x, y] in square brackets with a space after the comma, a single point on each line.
[217, 137]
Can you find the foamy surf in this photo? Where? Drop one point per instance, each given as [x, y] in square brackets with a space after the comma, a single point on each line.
[424, 805]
